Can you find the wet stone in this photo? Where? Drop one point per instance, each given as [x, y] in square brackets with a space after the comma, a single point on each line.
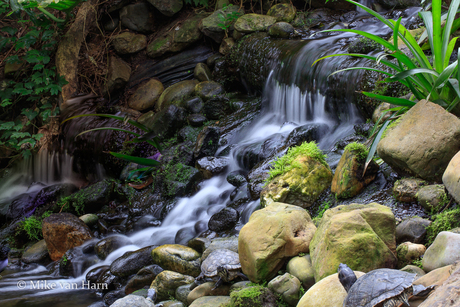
[225, 219]
[105, 246]
[112, 296]
[128, 42]
[196, 120]
[207, 142]
[281, 30]
[212, 166]
[95, 274]
[194, 105]
[137, 17]
[208, 89]
[202, 72]
[131, 262]
[239, 196]
[143, 278]
[236, 178]
[412, 230]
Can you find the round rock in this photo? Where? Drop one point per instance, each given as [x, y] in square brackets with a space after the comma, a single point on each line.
[225, 219]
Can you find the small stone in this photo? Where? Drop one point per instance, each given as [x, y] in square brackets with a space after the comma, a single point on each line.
[212, 166]
[288, 286]
[146, 96]
[208, 89]
[194, 105]
[137, 17]
[226, 45]
[414, 270]
[253, 22]
[407, 252]
[445, 250]
[405, 190]
[167, 282]
[202, 72]
[206, 289]
[127, 42]
[283, 12]
[118, 74]
[89, 219]
[378, 112]
[196, 120]
[281, 30]
[302, 268]
[236, 178]
[178, 258]
[37, 253]
[412, 230]
[105, 246]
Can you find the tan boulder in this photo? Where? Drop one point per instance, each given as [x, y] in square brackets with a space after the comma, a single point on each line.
[447, 294]
[327, 292]
[167, 282]
[362, 236]
[178, 258]
[175, 93]
[206, 289]
[451, 177]
[407, 252]
[146, 95]
[62, 231]
[271, 235]
[422, 142]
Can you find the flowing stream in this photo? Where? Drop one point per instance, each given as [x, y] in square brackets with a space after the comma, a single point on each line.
[293, 96]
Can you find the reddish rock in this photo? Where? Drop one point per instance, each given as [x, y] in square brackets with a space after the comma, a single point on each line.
[62, 231]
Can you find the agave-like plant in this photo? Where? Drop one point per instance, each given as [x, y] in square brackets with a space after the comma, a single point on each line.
[41, 5]
[437, 81]
[148, 136]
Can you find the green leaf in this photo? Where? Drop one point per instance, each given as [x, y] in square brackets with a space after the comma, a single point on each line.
[32, 142]
[7, 126]
[37, 136]
[19, 135]
[393, 100]
[30, 114]
[141, 161]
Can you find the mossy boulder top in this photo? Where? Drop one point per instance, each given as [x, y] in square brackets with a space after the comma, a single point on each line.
[253, 22]
[283, 12]
[210, 25]
[175, 94]
[362, 236]
[300, 186]
[178, 258]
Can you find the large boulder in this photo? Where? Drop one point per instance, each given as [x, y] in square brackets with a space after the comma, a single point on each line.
[63, 231]
[451, 177]
[178, 258]
[362, 236]
[271, 235]
[300, 186]
[146, 95]
[447, 294]
[412, 230]
[445, 250]
[327, 292]
[422, 142]
[348, 179]
[253, 22]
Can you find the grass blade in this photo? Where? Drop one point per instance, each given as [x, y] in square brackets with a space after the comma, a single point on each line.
[109, 128]
[393, 100]
[141, 161]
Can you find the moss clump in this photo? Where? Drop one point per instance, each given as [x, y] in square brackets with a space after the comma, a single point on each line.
[32, 226]
[364, 45]
[359, 149]
[391, 126]
[444, 221]
[253, 296]
[287, 163]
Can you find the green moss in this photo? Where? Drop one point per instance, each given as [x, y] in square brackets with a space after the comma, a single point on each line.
[391, 126]
[444, 221]
[251, 295]
[32, 226]
[287, 163]
[359, 149]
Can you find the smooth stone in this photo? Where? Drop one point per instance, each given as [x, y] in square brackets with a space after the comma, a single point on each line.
[167, 282]
[196, 120]
[253, 22]
[283, 12]
[302, 268]
[132, 301]
[137, 17]
[327, 292]
[208, 89]
[445, 250]
[37, 253]
[131, 262]
[207, 142]
[406, 189]
[89, 219]
[146, 95]
[447, 294]
[414, 270]
[182, 293]
[407, 252]
[432, 197]
[202, 72]
[143, 278]
[281, 30]
[212, 166]
[230, 243]
[118, 74]
[194, 105]
[287, 286]
[176, 93]
[226, 45]
[167, 7]
[413, 230]
[225, 219]
[206, 290]
[211, 301]
[105, 246]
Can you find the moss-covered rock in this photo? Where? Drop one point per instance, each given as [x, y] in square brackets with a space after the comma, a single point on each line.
[302, 268]
[281, 30]
[362, 236]
[406, 189]
[253, 22]
[271, 235]
[287, 286]
[208, 89]
[432, 197]
[348, 179]
[118, 74]
[178, 258]
[210, 25]
[255, 296]
[407, 252]
[298, 178]
[364, 45]
[167, 7]
[283, 12]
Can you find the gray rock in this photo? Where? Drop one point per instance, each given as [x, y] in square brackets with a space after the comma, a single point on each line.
[194, 105]
[133, 301]
[451, 177]
[236, 178]
[202, 72]
[131, 262]
[445, 250]
[175, 94]
[166, 122]
[239, 197]
[210, 25]
[89, 219]
[414, 270]
[137, 17]
[196, 120]
[281, 30]
[217, 107]
[412, 230]
[111, 24]
[182, 293]
[143, 278]
[226, 45]
[105, 246]
[287, 286]
[230, 243]
[207, 142]
[432, 197]
[167, 7]
[118, 74]
[167, 282]
[211, 301]
[422, 142]
[212, 166]
[225, 219]
[127, 42]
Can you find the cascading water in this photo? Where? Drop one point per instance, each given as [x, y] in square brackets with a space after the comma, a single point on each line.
[292, 98]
